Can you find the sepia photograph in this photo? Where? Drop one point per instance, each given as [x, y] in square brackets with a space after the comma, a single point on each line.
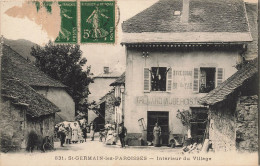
[129, 82]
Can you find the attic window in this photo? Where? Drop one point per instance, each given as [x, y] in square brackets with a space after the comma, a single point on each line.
[177, 13]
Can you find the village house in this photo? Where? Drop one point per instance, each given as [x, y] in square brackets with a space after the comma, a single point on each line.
[110, 106]
[14, 65]
[24, 111]
[98, 90]
[233, 111]
[119, 89]
[177, 51]
[233, 107]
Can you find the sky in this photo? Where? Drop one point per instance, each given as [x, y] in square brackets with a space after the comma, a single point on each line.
[98, 55]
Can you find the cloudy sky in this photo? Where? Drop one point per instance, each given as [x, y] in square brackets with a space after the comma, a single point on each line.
[98, 55]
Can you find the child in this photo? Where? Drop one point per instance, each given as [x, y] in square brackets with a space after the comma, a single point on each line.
[81, 139]
[102, 134]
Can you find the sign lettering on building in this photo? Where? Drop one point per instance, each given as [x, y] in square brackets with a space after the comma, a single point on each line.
[166, 101]
[182, 80]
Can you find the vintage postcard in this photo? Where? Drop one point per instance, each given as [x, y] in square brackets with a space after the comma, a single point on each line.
[129, 82]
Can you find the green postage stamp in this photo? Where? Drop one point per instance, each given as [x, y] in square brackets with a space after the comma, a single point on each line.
[68, 26]
[97, 21]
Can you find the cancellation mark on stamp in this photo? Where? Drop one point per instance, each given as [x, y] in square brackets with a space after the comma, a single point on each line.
[97, 22]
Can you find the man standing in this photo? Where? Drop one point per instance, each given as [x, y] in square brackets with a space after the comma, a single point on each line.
[122, 132]
[68, 134]
[62, 134]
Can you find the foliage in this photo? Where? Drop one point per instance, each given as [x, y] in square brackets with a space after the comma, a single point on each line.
[64, 62]
[185, 117]
[117, 101]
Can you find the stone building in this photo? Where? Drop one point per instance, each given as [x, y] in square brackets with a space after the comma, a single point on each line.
[98, 89]
[110, 106]
[119, 88]
[14, 65]
[23, 111]
[176, 52]
[233, 111]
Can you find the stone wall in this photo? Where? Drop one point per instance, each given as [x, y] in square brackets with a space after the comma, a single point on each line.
[110, 108]
[12, 126]
[42, 126]
[234, 125]
[222, 127]
[247, 123]
[16, 125]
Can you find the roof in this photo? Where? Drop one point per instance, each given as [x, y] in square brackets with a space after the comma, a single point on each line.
[252, 14]
[231, 84]
[14, 65]
[112, 74]
[119, 81]
[208, 21]
[104, 98]
[22, 94]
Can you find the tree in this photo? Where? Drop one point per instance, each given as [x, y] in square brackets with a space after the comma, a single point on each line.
[64, 62]
[185, 117]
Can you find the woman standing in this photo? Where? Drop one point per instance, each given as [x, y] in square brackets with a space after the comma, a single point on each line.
[92, 131]
[75, 133]
[157, 134]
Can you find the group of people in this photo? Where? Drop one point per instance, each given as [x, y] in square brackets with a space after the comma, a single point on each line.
[110, 133]
[72, 134]
[78, 133]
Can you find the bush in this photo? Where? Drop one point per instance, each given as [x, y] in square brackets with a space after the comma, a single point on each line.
[33, 141]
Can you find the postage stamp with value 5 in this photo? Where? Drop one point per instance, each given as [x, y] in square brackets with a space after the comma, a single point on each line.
[97, 21]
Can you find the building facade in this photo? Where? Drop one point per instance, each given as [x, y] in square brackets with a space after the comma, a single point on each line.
[16, 66]
[233, 111]
[99, 88]
[119, 88]
[176, 52]
[23, 112]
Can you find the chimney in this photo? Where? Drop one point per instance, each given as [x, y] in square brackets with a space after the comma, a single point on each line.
[185, 11]
[106, 70]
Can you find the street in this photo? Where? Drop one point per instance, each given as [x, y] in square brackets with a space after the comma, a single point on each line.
[97, 153]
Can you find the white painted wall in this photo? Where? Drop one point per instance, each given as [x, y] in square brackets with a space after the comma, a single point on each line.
[179, 61]
[61, 99]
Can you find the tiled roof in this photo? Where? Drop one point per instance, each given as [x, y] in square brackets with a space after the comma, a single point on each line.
[119, 81]
[231, 84]
[252, 15]
[205, 17]
[22, 94]
[14, 65]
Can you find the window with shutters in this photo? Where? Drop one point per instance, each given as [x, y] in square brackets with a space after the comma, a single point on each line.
[207, 79]
[158, 78]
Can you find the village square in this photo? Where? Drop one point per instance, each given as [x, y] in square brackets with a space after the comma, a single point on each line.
[188, 88]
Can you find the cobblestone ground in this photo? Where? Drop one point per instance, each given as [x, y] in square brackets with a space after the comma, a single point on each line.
[97, 153]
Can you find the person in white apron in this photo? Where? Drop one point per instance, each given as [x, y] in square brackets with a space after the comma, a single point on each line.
[75, 133]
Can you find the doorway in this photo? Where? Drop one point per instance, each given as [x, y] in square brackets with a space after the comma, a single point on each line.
[162, 118]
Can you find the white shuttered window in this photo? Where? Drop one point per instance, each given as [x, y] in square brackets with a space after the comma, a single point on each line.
[196, 80]
[169, 80]
[219, 76]
[147, 76]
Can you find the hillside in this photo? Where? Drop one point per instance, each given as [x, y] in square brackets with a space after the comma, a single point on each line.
[21, 46]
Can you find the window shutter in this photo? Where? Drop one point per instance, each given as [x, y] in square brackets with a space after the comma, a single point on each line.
[220, 76]
[196, 80]
[147, 76]
[169, 80]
